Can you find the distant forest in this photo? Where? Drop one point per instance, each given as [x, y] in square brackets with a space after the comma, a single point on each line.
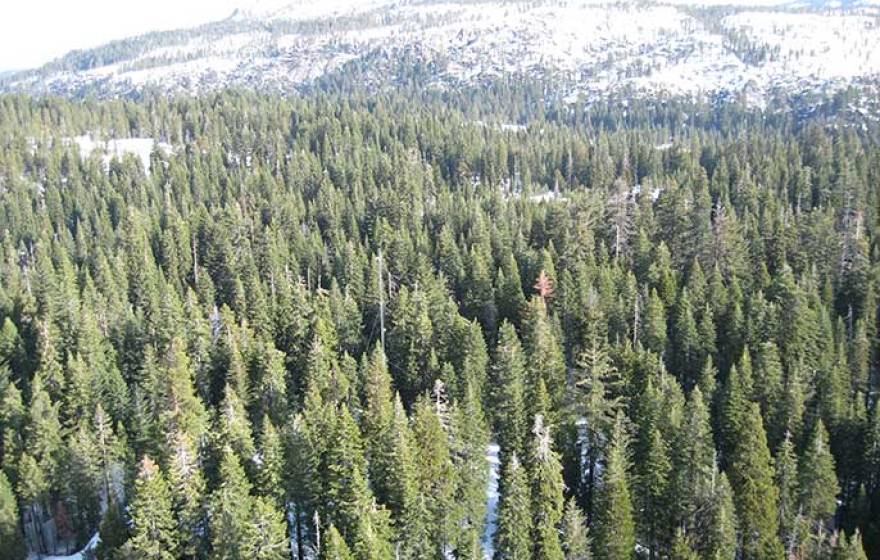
[385, 327]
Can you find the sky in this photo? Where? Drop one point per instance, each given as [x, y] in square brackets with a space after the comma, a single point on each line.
[33, 32]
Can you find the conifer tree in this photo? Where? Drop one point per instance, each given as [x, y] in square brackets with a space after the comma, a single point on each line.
[153, 534]
[547, 493]
[271, 539]
[653, 484]
[756, 496]
[681, 548]
[546, 361]
[512, 538]
[716, 526]
[469, 443]
[345, 492]
[270, 476]
[849, 548]
[508, 391]
[817, 481]
[113, 530]
[653, 335]
[376, 424]
[434, 467]
[786, 466]
[230, 511]
[732, 409]
[10, 528]
[575, 534]
[334, 546]
[187, 485]
[615, 528]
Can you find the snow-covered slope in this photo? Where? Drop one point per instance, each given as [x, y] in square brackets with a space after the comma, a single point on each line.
[588, 47]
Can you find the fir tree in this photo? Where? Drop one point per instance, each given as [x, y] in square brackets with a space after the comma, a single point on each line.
[756, 496]
[10, 529]
[153, 534]
[469, 443]
[114, 532]
[575, 534]
[682, 549]
[334, 546]
[232, 531]
[786, 466]
[817, 480]
[547, 493]
[512, 536]
[434, 467]
[615, 528]
[508, 391]
[271, 539]
[849, 548]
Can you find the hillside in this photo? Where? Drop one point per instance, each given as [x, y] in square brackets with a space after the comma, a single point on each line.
[586, 49]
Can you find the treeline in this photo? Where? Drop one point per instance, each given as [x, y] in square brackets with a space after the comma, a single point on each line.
[676, 353]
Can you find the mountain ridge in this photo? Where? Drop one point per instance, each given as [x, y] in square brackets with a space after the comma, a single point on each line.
[751, 51]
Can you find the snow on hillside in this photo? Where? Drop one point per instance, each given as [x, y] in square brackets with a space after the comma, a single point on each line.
[90, 546]
[308, 9]
[118, 148]
[832, 45]
[594, 46]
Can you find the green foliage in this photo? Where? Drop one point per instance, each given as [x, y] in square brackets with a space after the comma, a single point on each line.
[220, 312]
[615, 526]
[153, 533]
[512, 537]
[10, 528]
[817, 481]
[575, 534]
[755, 494]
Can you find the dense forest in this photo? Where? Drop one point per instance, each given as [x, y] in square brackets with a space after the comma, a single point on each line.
[376, 328]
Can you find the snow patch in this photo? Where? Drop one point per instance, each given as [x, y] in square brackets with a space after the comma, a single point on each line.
[118, 147]
[492, 453]
[93, 542]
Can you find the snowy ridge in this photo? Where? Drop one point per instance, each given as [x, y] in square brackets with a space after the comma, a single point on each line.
[688, 47]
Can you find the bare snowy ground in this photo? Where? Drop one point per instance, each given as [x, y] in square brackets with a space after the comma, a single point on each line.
[118, 147]
[93, 542]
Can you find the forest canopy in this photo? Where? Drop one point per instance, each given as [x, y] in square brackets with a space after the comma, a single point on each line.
[373, 327]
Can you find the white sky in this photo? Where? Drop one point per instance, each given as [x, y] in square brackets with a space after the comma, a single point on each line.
[33, 32]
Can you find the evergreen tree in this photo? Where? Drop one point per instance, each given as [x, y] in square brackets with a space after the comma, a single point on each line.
[334, 546]
[817, 481]
[270, 476]
[434, 467]
[114, 532]
[575, 534]
[10, 529]
[755, 494]
[512, 536]
[232, 531]
[682, 549]
[469, 443]
[849, 548]
[187, 486]
[153, 534]
[271, 539]
[716, 532]
[508, 391]
[615, 528]
[547, 490]
[786, 466]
